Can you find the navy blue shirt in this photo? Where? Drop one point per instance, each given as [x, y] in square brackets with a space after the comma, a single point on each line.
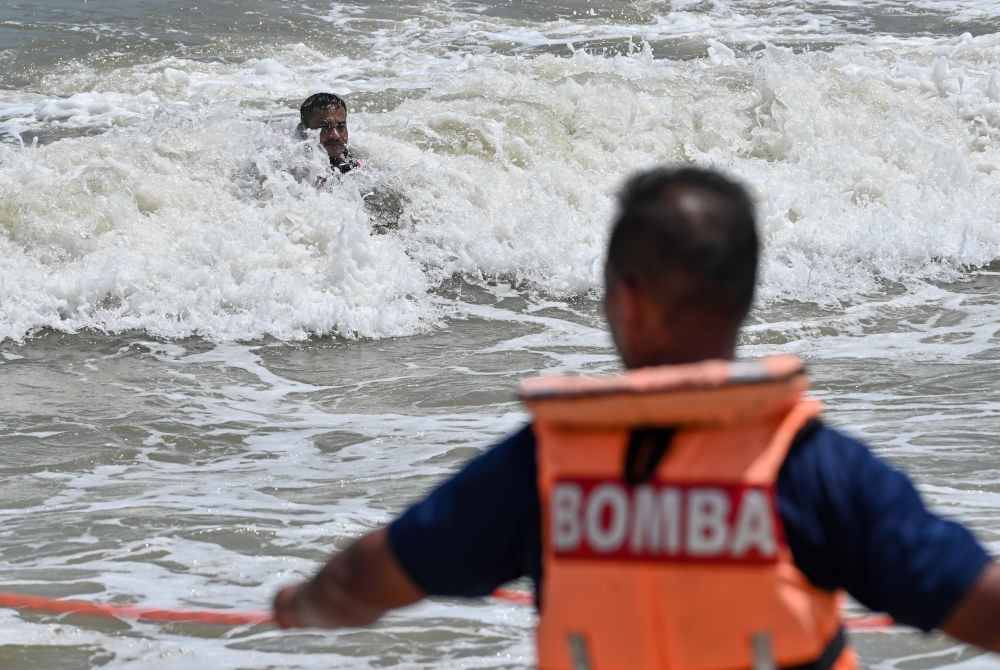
[852, 522]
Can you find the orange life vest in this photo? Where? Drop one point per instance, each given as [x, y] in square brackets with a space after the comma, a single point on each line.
[685, 568]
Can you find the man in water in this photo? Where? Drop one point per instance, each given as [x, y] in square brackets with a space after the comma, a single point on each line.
[327, 112]
[625, 533]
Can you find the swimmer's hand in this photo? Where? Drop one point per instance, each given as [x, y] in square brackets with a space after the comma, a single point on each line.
[355, 588]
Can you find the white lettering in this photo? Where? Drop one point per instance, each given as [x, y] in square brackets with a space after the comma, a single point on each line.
[605, 519]
[645, 520]
[706, 522]
[566, 528]
[754, 526]
[656, 520]
[612, 498]
[670, 505]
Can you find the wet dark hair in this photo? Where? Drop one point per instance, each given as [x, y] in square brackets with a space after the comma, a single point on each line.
[688, 237]
[317, 102]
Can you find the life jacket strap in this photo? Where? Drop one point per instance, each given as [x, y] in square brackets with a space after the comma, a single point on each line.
[834, 648]
[579, 652]
[644, 452]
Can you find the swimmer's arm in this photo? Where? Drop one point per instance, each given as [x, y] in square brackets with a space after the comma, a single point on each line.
[977, 618]
[355, 588]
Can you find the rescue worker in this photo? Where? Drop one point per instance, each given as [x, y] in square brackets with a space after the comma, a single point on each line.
[692, 513]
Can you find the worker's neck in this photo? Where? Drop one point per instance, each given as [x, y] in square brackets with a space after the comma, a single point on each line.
[681, 353]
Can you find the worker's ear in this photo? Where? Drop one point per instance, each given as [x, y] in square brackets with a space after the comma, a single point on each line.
[625, 306]
[624, 312]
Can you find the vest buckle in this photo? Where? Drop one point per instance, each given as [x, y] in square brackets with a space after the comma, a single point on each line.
[578, 652]
[763, 651]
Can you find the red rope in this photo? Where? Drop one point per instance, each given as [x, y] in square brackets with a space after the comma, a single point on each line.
[54, 606]
[227, 618]
[876, 622]
[516, 597]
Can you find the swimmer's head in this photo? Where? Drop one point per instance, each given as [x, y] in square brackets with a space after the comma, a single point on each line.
[328, 113]
[681, 267]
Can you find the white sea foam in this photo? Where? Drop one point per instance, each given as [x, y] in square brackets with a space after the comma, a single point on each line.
[871, 164]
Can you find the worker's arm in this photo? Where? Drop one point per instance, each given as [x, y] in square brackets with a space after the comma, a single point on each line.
[977, 618]
[854, 522]
[355, 588]
[478, 530]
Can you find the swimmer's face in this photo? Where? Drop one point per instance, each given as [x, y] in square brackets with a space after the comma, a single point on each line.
[332, 125]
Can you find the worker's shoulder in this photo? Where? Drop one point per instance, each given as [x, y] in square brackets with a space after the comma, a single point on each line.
[510, 459]
[518, 446]
[819, 443]
[825, 463]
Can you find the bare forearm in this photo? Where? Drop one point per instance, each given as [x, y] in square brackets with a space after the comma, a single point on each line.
[355, 588]
[977, 619]
[334, 597]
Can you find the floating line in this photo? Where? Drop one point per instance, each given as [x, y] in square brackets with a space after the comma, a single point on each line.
[105, 611]
[233, 618]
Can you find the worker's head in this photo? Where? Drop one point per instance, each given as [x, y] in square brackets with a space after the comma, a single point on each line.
[681, 267]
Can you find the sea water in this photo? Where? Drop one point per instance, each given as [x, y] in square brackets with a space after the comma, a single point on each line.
[214, 373]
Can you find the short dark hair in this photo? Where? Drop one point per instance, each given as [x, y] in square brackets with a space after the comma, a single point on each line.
[688, 237]
[317, 102]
